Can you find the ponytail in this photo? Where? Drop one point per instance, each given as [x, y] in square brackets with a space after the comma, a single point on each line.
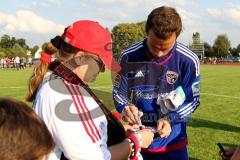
[39, 71]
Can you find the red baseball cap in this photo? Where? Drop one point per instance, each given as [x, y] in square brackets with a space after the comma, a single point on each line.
[90, 36]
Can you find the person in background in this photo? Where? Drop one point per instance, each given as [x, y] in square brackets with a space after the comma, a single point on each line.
[30, 61]
[4, 63]
[17, 62]
[21, 65]
[23, 135]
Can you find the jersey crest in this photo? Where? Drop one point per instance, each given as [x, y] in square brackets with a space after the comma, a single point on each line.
[171, 77]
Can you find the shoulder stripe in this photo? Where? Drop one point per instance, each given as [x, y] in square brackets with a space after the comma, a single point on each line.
[181, 46]
[132, 50]
[87, 114]
[68, 86]
[83, 112]
[80, 115]
[196, 63]
[186, 49]
[133, 46]
[190, 53]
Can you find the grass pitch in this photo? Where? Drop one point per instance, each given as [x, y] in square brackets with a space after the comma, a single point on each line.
[216, 120]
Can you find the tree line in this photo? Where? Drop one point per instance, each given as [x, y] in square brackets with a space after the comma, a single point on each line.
[11, 47]
[221, 48]
[123, 35]
[126, 34]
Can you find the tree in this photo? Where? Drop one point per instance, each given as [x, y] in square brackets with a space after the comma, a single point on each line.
[8, 52]
[13, 41]
[22, 43]
[125, 35]
[222, 45]
[234, 52]
[2, 54]
[6, 41]
[208, 50]
[11, 47]
[19, 50]
[238, 50]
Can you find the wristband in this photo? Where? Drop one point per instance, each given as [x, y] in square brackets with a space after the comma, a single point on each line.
[135, 141]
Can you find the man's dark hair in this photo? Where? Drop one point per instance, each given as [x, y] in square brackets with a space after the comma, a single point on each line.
[164, 21]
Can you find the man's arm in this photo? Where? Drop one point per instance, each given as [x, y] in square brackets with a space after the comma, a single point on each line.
[122, 94]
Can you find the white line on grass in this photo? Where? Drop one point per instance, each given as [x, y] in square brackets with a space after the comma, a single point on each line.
[101, 87]
[218, 95]
[110, 87]
[13, 87]
[210, 94]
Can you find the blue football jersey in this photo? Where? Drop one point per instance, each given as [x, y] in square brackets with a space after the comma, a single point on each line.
[160, 86]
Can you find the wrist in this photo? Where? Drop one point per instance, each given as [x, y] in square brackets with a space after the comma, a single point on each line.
[135, 141]
[166, 117]
[131, 145]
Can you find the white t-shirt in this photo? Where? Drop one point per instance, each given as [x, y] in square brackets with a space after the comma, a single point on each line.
[75, 120]
[17, 59]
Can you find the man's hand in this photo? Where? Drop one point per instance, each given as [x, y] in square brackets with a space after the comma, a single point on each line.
[128, 127]
[164, 127]
[131, 114]
[147, 137]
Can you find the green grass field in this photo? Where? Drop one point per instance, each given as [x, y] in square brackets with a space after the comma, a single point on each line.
[216, 120]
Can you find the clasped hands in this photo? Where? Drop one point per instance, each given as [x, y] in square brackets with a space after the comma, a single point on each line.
[132, 115]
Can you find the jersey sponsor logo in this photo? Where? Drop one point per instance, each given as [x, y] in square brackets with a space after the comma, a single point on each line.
[146, 95]
[150, 117]
[171, 77]
[196, 89]
[139, 74]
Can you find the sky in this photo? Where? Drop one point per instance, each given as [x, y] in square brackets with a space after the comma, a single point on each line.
[39, 21]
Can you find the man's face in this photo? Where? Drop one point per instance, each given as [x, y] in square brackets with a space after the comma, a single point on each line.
[159, 47]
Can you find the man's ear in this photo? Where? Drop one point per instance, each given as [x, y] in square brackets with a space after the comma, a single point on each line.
[79, 54]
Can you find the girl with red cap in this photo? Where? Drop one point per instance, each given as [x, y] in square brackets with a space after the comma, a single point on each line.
[82, 127]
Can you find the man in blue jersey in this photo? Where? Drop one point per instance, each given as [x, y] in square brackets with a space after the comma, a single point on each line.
[160, 77]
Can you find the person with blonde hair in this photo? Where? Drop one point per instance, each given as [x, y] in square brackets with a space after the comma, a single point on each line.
[82, 126]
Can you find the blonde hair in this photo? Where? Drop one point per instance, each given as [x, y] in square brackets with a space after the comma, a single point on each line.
[38, 74]
[64, 52]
